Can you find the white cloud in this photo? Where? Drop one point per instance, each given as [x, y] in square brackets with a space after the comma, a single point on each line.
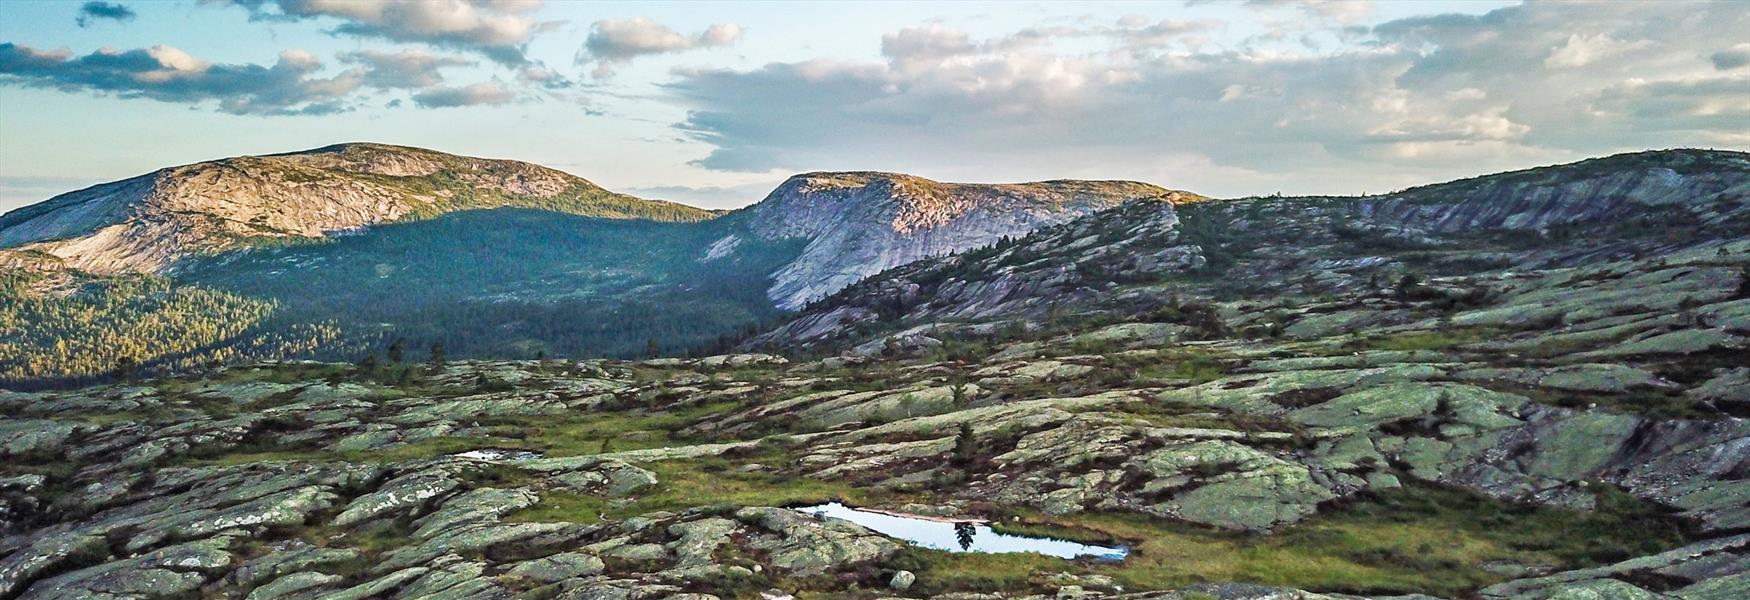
[612, 42]
[168, 74]
[1414, 96]
[404, 69]
[498, 29]
[1342, 11]
[479, 94]
[1581, 50]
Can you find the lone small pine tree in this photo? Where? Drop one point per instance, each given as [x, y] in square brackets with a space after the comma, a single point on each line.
[368, 365]
[436, 363]
[126, 368]
[965, 446]
[1407, 284]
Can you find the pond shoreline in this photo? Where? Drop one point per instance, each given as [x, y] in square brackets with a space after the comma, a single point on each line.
[961, 535]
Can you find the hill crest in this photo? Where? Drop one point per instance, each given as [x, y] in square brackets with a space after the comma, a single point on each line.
[150, 222]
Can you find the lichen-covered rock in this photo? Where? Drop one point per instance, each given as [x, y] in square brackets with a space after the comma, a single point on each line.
[38, 438]
[1684, 341]
[1230, 485]
[283, 509]
[408, 492]
[608, 477]
[292, 583]
[696, 541]
[452, 577]
[805, 545]
[1699, 560]
[471, 538]
[1730, 387]
[1372, 406]
[558, 567]
[290, 557]
[1139, 333]
[19, 498]
[1029, 371]
[49, 554]
[165, 573]
[324, 490]
[1609, 378]
[477, 505]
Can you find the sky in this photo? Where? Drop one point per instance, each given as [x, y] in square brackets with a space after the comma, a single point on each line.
[715, 103]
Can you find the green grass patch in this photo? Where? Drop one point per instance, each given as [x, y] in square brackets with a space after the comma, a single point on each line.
[1422, 538]
[599, 432]
[563, 507]
[428, 448]
[1189, 364]
[1425, 340]
[708, 481]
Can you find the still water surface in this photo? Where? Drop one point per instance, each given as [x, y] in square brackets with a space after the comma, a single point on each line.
[962, 536]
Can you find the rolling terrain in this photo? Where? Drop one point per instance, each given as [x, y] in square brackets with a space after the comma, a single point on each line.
[337, 252]
[1525, 386]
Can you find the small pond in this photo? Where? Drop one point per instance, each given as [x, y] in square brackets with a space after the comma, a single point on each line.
[498, 454]
[964, 536]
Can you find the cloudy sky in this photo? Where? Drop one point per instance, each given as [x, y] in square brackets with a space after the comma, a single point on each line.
[714, 103]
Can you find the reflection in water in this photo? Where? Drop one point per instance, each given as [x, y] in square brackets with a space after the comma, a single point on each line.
[955, 536]
[963, 532]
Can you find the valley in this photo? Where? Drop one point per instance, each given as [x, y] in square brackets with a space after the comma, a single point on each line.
[1424, 457]
[875, 300]
[1526, 386]
[487, 258]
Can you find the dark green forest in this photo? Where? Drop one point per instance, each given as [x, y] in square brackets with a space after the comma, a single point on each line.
[501, 283]
[60, 329]
[515, 283]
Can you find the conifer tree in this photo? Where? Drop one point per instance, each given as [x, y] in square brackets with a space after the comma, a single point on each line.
[436, 363]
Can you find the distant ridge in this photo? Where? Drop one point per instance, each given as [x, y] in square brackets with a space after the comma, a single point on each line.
[859, 223]
[150, 222]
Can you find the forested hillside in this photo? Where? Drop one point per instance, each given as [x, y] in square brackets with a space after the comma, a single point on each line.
[513, 283]
[69, 329]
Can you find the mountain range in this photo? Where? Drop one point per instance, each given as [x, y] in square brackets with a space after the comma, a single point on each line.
[1130, 259]
[1521, 386]
[334, 252]
[340, 249]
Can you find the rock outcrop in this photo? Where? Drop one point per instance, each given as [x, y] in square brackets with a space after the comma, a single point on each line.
[858, 224]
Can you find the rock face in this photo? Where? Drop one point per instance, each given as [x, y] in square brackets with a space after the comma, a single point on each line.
[1618, 207]
[148, 223]
[861, 223]
[1228, 388]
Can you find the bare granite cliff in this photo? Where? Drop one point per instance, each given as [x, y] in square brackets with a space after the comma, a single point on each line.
[858, 224]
